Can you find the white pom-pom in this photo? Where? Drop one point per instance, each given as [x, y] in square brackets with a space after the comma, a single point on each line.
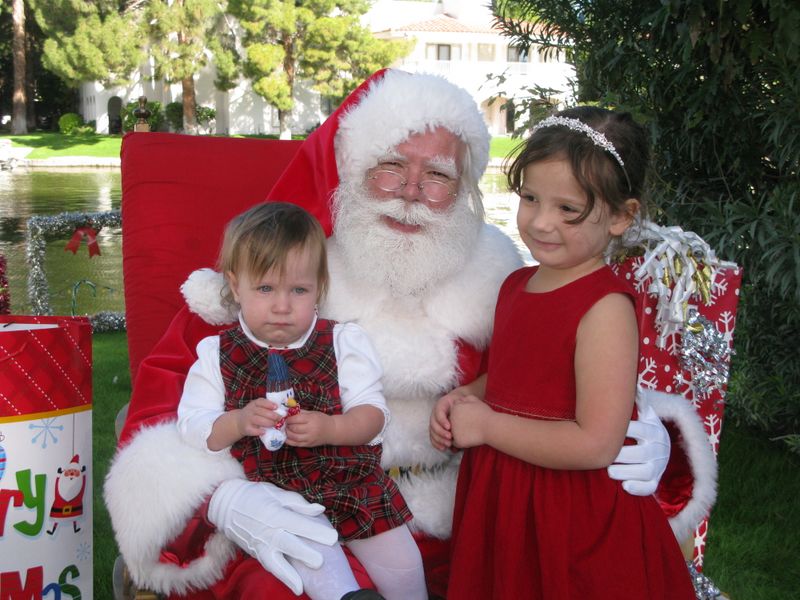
[203, 294]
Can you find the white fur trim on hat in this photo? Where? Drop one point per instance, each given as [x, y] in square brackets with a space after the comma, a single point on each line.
[702, 462]
[401, 104]
[202, 291]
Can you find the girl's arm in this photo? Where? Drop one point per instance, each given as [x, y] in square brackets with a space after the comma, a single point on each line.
[364, 412]
[606, 360]
[254, 419]
[357, 426]
[439, 428]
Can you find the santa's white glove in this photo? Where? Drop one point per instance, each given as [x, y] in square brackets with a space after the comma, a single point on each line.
[640, 466]
[268, 523]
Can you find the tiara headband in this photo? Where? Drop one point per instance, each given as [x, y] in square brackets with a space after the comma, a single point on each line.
[598, 139]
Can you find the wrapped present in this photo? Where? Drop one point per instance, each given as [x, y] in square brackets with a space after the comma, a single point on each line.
[687, 314]
[45, 457]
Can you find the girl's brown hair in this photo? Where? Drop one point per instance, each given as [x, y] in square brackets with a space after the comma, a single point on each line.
[598, 172]
[261, 238]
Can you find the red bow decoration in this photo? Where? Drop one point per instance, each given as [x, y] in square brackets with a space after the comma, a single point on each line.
[91, 241]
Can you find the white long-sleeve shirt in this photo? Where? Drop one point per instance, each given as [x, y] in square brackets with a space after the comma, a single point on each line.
[359, 377]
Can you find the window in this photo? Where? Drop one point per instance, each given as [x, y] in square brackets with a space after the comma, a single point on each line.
[485, 52]
[516, 54]
[443, 52]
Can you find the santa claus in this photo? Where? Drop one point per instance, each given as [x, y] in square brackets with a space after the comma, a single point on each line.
[412, 262]
[68, 500]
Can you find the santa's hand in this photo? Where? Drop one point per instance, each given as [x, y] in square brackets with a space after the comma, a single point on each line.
[641, 466]
[269, 523]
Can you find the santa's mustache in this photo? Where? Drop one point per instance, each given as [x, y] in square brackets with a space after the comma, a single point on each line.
[407, 213]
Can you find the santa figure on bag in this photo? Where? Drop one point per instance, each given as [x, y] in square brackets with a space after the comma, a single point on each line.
[68, 500]
[419, 271]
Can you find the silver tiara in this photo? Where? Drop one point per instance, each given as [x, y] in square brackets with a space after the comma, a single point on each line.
[599, 140]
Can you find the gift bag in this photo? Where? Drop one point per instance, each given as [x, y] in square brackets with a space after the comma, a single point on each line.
[688, 304]
[45, 457]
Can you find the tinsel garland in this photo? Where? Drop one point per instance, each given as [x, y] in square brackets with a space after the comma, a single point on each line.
[5, 296]
[680, 270]
[42, 229]
[705, 354]
[704, 588]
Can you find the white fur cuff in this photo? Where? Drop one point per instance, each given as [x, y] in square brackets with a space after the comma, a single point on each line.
[154, 486]
[703, 464]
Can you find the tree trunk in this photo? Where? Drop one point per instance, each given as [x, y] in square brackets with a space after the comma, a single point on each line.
[19, 112]
[189, 106]
[30, 90]
[284, 131]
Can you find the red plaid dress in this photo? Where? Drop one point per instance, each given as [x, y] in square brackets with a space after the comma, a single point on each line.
[361, 500]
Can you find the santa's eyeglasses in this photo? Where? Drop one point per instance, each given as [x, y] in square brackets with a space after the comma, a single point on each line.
[431, 189]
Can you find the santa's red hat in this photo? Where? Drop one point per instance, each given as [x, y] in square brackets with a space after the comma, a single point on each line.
[382, 112]
[75, 461]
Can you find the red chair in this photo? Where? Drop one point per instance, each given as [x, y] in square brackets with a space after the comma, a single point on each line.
[178, 192]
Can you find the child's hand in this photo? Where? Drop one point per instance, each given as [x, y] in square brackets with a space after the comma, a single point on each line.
[307, 429]
[256, 417]
[439, 428]
[469, 417]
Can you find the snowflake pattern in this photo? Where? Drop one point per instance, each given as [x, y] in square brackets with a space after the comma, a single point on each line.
[713, 426]
[83, 552]
[46, 430]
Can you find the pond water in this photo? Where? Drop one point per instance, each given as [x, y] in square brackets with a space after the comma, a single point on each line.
[30, 192]
[80, 285]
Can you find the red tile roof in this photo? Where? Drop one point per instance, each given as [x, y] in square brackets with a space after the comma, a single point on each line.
[445, 24]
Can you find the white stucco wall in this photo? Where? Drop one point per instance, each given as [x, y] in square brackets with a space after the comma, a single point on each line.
[241, 111]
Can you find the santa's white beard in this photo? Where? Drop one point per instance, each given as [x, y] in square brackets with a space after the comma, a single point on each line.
[68, 487]
[409, 263]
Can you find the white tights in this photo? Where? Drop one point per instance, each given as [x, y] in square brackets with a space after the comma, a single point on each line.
[391, 558]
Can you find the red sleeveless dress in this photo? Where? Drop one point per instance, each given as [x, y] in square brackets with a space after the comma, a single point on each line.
[524, 531]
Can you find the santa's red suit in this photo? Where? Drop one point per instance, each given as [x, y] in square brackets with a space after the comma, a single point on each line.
[429, 341]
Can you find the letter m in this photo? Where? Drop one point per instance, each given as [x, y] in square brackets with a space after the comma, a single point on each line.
[11, 586]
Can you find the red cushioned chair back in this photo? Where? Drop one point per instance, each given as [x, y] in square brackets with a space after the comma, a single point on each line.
[178, 192]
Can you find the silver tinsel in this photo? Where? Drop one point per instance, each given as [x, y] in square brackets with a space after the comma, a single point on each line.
[704, 588]
[42, 229]
[704, 353]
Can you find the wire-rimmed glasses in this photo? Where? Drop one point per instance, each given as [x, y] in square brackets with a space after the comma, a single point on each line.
[432, 189]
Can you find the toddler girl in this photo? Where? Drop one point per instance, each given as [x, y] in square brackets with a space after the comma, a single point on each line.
[274, 262]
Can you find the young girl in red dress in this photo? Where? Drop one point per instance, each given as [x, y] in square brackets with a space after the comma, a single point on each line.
[274, 261]
[536, 514]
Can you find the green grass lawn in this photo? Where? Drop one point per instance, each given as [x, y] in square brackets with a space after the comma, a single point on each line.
[503, 146]
[753, 543]
[112, 389]
[46, 145]
[49, 144]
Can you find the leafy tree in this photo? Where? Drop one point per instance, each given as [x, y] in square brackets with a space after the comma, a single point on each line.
[718, 84]
[180, 32]
[46, 96]
[318, 40]
[88, 41]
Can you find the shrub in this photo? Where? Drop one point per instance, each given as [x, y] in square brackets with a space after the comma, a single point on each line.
[69, 122]
[205, 114]
[156, 119]
[717, 85]
[174, 115]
